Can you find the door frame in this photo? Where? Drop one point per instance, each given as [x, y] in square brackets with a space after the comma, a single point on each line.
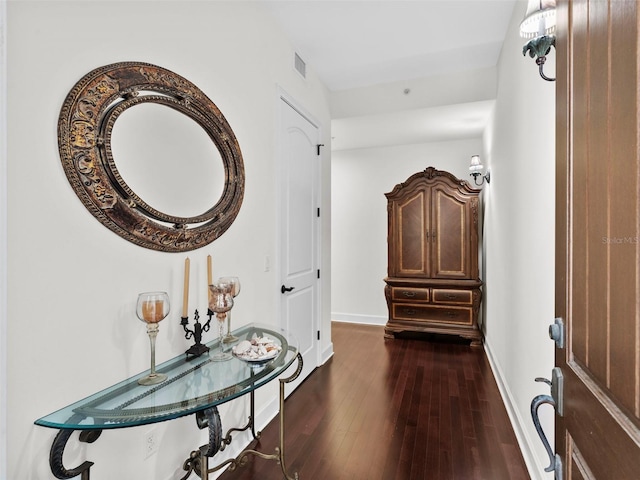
[282, 98]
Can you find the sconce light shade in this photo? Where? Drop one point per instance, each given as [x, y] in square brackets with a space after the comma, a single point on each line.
[539, 25]
[476, 171]
[475, 164]
[539, 20]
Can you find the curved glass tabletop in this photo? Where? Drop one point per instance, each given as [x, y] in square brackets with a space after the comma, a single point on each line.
[192, 385]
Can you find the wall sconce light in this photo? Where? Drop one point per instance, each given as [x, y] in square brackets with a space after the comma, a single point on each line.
[539, 25]
[476, 171]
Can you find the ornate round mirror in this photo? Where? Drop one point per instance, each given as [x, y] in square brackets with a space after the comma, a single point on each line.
[166, 175]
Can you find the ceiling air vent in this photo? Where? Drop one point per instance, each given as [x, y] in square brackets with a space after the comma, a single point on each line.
[300, 66]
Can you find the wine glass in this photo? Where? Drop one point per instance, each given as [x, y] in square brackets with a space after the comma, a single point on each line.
[152, 307]
[235, 290]
[220, 302]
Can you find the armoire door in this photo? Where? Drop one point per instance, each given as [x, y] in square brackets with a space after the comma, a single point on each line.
[450, 239]
[411, 231]
[597, 239]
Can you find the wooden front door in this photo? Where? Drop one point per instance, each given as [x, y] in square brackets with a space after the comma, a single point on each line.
[597, 231]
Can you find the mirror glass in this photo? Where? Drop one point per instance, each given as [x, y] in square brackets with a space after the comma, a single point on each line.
[167, 159]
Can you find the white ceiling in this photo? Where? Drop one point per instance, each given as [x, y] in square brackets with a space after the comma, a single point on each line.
[356, 44]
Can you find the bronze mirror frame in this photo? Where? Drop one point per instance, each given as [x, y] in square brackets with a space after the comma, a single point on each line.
[85, 126]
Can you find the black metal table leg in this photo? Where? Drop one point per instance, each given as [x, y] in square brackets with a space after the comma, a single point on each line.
[57, 450]
[198, 461]
[279, 455]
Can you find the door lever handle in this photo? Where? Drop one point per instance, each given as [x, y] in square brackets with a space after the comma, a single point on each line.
[284, 289]
[535, 404]
[555, 463]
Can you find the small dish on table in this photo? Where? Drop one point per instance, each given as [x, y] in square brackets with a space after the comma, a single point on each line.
[257, 350]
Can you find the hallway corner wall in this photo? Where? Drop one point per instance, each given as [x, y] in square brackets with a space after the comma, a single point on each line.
[519, 239]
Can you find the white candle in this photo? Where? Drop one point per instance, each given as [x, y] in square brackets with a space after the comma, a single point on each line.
[185, 293]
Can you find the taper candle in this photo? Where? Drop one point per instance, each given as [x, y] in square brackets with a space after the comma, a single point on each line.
[209, 273]
[185, 294]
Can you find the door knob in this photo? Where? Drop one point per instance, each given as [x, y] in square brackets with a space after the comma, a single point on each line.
[284, 289]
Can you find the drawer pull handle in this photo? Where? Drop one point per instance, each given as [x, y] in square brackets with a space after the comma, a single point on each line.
[452, 314]
[451, 296]
[409, 294]
[410, 312]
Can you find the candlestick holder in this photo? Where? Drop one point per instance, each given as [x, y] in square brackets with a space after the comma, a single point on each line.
[152, 308]
[197, 348]
[235, 291]
[220, 302]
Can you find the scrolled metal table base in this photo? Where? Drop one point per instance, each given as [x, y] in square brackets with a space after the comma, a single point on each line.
[198, 461]
[57, 451]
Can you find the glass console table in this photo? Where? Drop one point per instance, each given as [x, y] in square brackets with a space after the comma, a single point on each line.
[194, 386]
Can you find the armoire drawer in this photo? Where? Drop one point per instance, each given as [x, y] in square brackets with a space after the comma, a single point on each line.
[433, 313]
[462, 297]
[410, 294]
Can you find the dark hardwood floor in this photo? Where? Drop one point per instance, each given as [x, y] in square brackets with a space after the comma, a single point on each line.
[404, 409]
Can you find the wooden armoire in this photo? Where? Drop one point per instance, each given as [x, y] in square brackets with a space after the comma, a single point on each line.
[433, 283]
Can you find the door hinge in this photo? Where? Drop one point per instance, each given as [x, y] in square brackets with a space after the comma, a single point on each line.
[318, 147]
[318, 212]
[318, 334]
[318, 273]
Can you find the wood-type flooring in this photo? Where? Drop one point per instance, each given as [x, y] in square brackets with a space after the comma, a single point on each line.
[403, 409]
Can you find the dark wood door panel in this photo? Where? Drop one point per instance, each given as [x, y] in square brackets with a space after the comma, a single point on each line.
[578, 470]
[599, 430]
[597, 231]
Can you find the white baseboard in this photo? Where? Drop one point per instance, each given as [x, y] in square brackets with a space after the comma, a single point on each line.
[536, 471]
[326, 354]
[357, 318]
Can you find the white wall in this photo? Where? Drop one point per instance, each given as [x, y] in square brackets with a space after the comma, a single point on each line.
[72, 283]
[3, 242]
[360, 178]
[519, 239]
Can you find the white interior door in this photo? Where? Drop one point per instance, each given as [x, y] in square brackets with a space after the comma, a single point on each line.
[299, 214]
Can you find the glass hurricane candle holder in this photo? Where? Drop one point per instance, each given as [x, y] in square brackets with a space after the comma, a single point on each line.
[235, 290]
[220, 302]
[152, 308]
